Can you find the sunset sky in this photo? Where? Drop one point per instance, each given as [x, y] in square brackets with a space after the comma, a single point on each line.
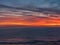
[12, 14]
[41, 14]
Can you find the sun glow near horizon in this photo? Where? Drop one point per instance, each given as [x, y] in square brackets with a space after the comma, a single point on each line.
[40, 22]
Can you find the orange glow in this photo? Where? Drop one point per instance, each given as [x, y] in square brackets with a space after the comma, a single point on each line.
[24, 22]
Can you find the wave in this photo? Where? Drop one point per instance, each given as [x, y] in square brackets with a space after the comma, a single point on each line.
[32, 42]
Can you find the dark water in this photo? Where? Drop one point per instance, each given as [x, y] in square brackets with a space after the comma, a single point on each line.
[39, 33]
[33, 32]
[29, 44]
[19, 44]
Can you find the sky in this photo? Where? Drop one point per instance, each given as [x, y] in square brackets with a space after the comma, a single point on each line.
[38, 3]
[30, 19]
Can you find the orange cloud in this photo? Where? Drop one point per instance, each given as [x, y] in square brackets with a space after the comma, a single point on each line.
[29, 21]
